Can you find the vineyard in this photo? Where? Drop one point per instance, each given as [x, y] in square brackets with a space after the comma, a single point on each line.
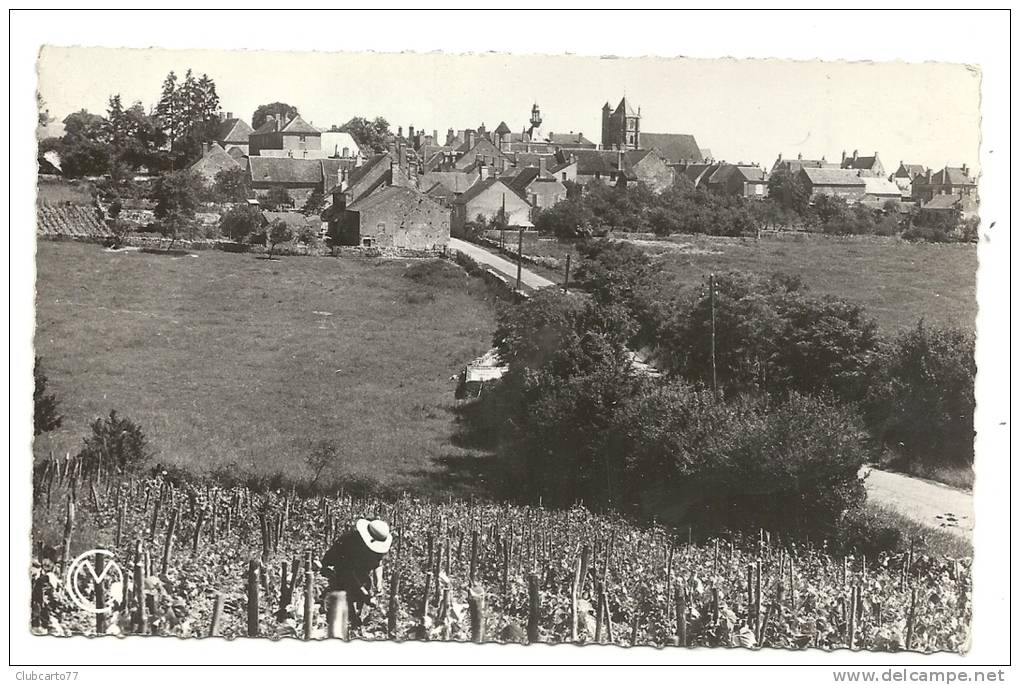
[200, 560]
[72, 221]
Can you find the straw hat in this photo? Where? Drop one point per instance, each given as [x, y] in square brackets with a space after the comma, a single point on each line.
[375, 535]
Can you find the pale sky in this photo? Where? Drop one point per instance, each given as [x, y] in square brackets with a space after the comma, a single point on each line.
[743, 110]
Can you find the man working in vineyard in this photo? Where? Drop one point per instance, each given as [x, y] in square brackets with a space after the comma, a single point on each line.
[354, 564]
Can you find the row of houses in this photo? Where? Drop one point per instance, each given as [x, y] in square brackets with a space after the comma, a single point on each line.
[860, 178]
[420, 189]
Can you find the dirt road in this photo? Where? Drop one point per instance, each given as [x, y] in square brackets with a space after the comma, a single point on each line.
[504, 266]
[926, 502]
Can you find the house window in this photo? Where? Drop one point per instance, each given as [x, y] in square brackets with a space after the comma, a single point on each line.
[563, 176]
[380, 227]
[302, 139]
[367, 242]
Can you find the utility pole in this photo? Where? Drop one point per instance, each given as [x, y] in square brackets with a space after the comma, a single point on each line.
[711, 299]
[520, 252]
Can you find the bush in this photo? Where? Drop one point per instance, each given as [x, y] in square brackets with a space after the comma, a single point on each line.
[116, 444]
[45, 415]
[922, 403]
[468, 263]
[241, 221]
[435, 273]
[744, 462]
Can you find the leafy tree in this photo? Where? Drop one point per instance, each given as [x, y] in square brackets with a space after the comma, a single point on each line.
[771, 336]
[325, 455]
[569, 369]
[241, 221]
[135, 136]
[789, 190]
[566, 219]
[231, 185]
[611, 269]
[188, 113]
[279, 233]
[264, 112]
[45, 119]
[84, 147]
[46, 416]
[922, 404]
[115, 445]
[177, 196]
[314, 204]
[370, 135]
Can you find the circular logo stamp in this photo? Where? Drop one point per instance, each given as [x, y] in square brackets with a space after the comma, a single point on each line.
[83, 577]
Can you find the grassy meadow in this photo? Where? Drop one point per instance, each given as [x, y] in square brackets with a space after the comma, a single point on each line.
[231, 360]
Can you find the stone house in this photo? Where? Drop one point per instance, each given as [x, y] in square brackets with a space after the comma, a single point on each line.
[234, 133]
[214, 160]
[396, 217]
[619, 166]
[675, 148]
[867, 166]
[904, 176]
[843, 183]
[536, 185]
[735, 179]
[299, 177]
[880, 189]
[946, 181]
[490, 197]
[280, 137]
[795, 165]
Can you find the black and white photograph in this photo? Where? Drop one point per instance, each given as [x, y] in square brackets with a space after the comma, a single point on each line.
[505, 347]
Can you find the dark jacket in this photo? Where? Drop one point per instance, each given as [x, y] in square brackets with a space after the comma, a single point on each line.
[349, 565]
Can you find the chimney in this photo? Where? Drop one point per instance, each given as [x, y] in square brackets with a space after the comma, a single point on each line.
[343, 178]
[470, 135]
[855, 155]
[449, 136]
[964, 169]
[801, 156]
[843, 158]
[394, 172]
[435, 136]
[205, 149]
[483, 171]
[541, 167]
[230, 115]
[410, 132]
[400, 131]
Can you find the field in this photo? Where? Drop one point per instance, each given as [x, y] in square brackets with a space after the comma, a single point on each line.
[230, 360]
[898, 282]
[198, 560]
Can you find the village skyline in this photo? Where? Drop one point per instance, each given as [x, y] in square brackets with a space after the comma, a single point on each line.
[748, 111]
